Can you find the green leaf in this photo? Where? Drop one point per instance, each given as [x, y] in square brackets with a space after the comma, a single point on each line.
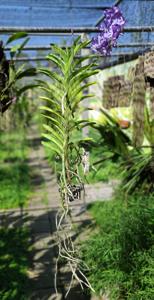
[51, 111]
[53, 140]
[57, 135]
[80, 45]
[52, 75]
[26, 87]
[47, 144]
[56, 103]
[16, 36]
[57, 60]
[62, 53]
[16, 50]
[12, 74]
[55, 122]
[53, 91]
[79, 61]
[75, 104]
[80, 77]
[110, 118]
[27, 73]
[76, 91]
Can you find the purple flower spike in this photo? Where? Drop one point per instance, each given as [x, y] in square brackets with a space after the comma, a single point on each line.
[111, 27]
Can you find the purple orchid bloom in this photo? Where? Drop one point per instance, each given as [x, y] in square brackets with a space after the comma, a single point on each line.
[111, 28]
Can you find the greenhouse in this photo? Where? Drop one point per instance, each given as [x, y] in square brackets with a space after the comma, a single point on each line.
[77, 150]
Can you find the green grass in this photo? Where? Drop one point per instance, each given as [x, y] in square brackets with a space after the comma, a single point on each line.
[14, 172]
[120, 253]
[108, 171]
[13, 146]
[15, 191]
[14, 252]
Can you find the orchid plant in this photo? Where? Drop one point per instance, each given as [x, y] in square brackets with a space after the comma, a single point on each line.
[10, 75]
[64, 92]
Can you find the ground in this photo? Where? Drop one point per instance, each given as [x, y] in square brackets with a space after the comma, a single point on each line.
[39, 219]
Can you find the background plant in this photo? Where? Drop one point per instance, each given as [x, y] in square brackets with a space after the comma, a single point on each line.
[14, 171]
[136, 163]
[120, 252]
[138, 172]
[10, 75]
[14, 263]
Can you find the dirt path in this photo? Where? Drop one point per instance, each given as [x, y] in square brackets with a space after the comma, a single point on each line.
[39, 216]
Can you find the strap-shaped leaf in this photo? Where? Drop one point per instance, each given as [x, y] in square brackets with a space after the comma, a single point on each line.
[52, 112]
[76, 91]
[27, 73]
[54, 102]
[56, 91]
[57, 135]
[52, 90]
[79, 61]
[57, 60]
[53, 140]
[79, 45]
[81, 70]
[78, 79]
[63, 54]
[51, 147]
[55, 123]
[16, 36]
[26, 87]
[12, 74]
[84, 123]
[16, 50]
[76, 103]
[52, 75]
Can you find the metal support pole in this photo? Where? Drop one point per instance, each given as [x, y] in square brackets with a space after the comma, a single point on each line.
[48, 47]
[122, 55]
[73, 30]
[131, 45]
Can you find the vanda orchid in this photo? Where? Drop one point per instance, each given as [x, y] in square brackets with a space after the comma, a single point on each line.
[110, 29]
[64, 91]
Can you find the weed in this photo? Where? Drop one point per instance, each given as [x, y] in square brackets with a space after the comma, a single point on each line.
[120, 255]
[14, 263]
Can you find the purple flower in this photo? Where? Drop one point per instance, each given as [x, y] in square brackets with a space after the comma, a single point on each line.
[111, 27]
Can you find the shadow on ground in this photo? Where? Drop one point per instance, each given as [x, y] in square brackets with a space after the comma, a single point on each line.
[28, 245]
[28, 242]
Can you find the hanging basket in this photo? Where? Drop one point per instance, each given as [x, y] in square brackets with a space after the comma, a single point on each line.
[125, 93]
[149, 68]
[117, 92]
[149, 64]
[138, 102]
[152, 103]
[107, 90]
[116, 85]
[111, 92]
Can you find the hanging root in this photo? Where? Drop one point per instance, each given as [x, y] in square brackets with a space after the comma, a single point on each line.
[66, 249]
